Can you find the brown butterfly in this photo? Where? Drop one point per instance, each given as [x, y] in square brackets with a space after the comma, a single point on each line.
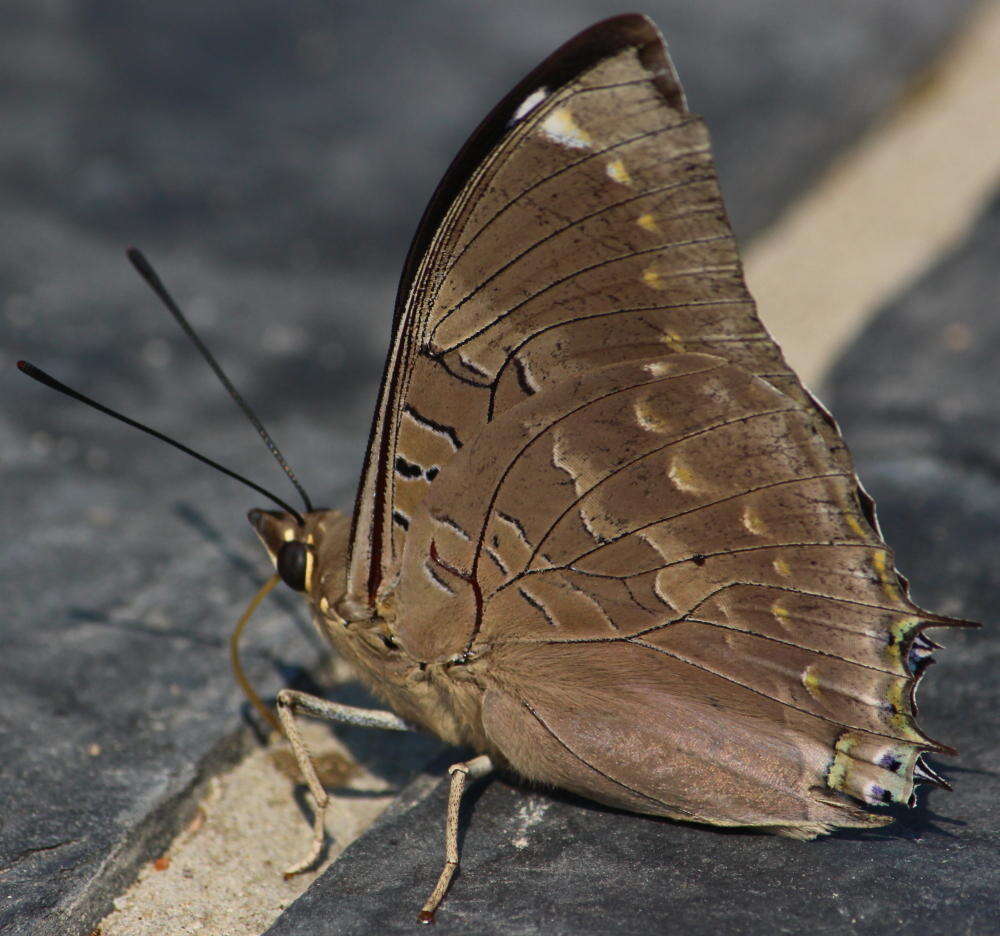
[604, 536]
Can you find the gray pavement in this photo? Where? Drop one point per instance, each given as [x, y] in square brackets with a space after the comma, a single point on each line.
[274, 160]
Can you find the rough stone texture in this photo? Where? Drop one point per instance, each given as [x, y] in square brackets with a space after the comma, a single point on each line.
[920, 402]
[535, 863]
[273, 159]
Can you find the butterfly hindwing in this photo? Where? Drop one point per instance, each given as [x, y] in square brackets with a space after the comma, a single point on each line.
[602, 527]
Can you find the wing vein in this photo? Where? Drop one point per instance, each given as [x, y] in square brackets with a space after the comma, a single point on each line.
[760, 692]
[677, 125]
[677, 274]
[824, 544]
[555, 737]
[690, 510]
[787, 643]
[586, 318]
[660, 448]
[583, 219]
[534, 438]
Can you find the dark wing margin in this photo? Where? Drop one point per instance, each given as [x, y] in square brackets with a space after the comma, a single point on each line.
[603, 39]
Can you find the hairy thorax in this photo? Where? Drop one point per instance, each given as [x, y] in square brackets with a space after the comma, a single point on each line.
[443, 697]
[441, 694]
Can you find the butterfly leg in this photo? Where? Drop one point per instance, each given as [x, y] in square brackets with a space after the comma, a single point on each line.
[290, 702]
[460, 774]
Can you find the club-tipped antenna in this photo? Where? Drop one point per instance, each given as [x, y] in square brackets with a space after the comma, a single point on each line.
[37, 374]
[146, 271]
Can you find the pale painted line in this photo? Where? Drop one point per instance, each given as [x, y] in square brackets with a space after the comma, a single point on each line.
[890, 207]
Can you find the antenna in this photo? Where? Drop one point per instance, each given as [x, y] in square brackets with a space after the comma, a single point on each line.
[37, 374]
[146, 271]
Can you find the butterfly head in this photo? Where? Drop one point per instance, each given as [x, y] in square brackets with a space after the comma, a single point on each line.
[306, 555]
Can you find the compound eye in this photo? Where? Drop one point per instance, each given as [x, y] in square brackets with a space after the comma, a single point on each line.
[292, 564]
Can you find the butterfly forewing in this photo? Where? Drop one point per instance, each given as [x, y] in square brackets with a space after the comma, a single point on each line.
[593, 476]
[591, 231]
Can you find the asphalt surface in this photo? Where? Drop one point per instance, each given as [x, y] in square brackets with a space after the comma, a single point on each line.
[273, 161]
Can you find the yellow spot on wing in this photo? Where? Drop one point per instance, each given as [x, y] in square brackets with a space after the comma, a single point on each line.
[672, 340]
[855, 524]
[836, 779]
[648, 223]
[901, 720]
[845, 743]
[901, 629]
[811, 682]
[617, 171]
[753, 522]
[682, 477]
[561, 127]
[886, 575]
[780, 612]
[652, 278]
[781, 567]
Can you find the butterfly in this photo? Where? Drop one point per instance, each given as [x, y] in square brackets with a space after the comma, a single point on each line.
[604, 537]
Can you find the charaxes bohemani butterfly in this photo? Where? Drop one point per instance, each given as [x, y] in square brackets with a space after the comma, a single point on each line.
[604, 536]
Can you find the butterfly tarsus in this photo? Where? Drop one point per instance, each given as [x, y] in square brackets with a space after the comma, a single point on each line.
[290, 702]
[460, 774]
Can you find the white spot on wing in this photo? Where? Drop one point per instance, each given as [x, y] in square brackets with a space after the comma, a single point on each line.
[684, 479]
[439, 429]
[649, 413]
[583, 478]
[659, 581]
[561, 127]
[515, 525]
[495, 556]
[753, 522]
[562, 459]
[658, 368]
[617, 171]
[529, 104]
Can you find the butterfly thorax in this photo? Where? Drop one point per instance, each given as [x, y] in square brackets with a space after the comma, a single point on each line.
[443, 696]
